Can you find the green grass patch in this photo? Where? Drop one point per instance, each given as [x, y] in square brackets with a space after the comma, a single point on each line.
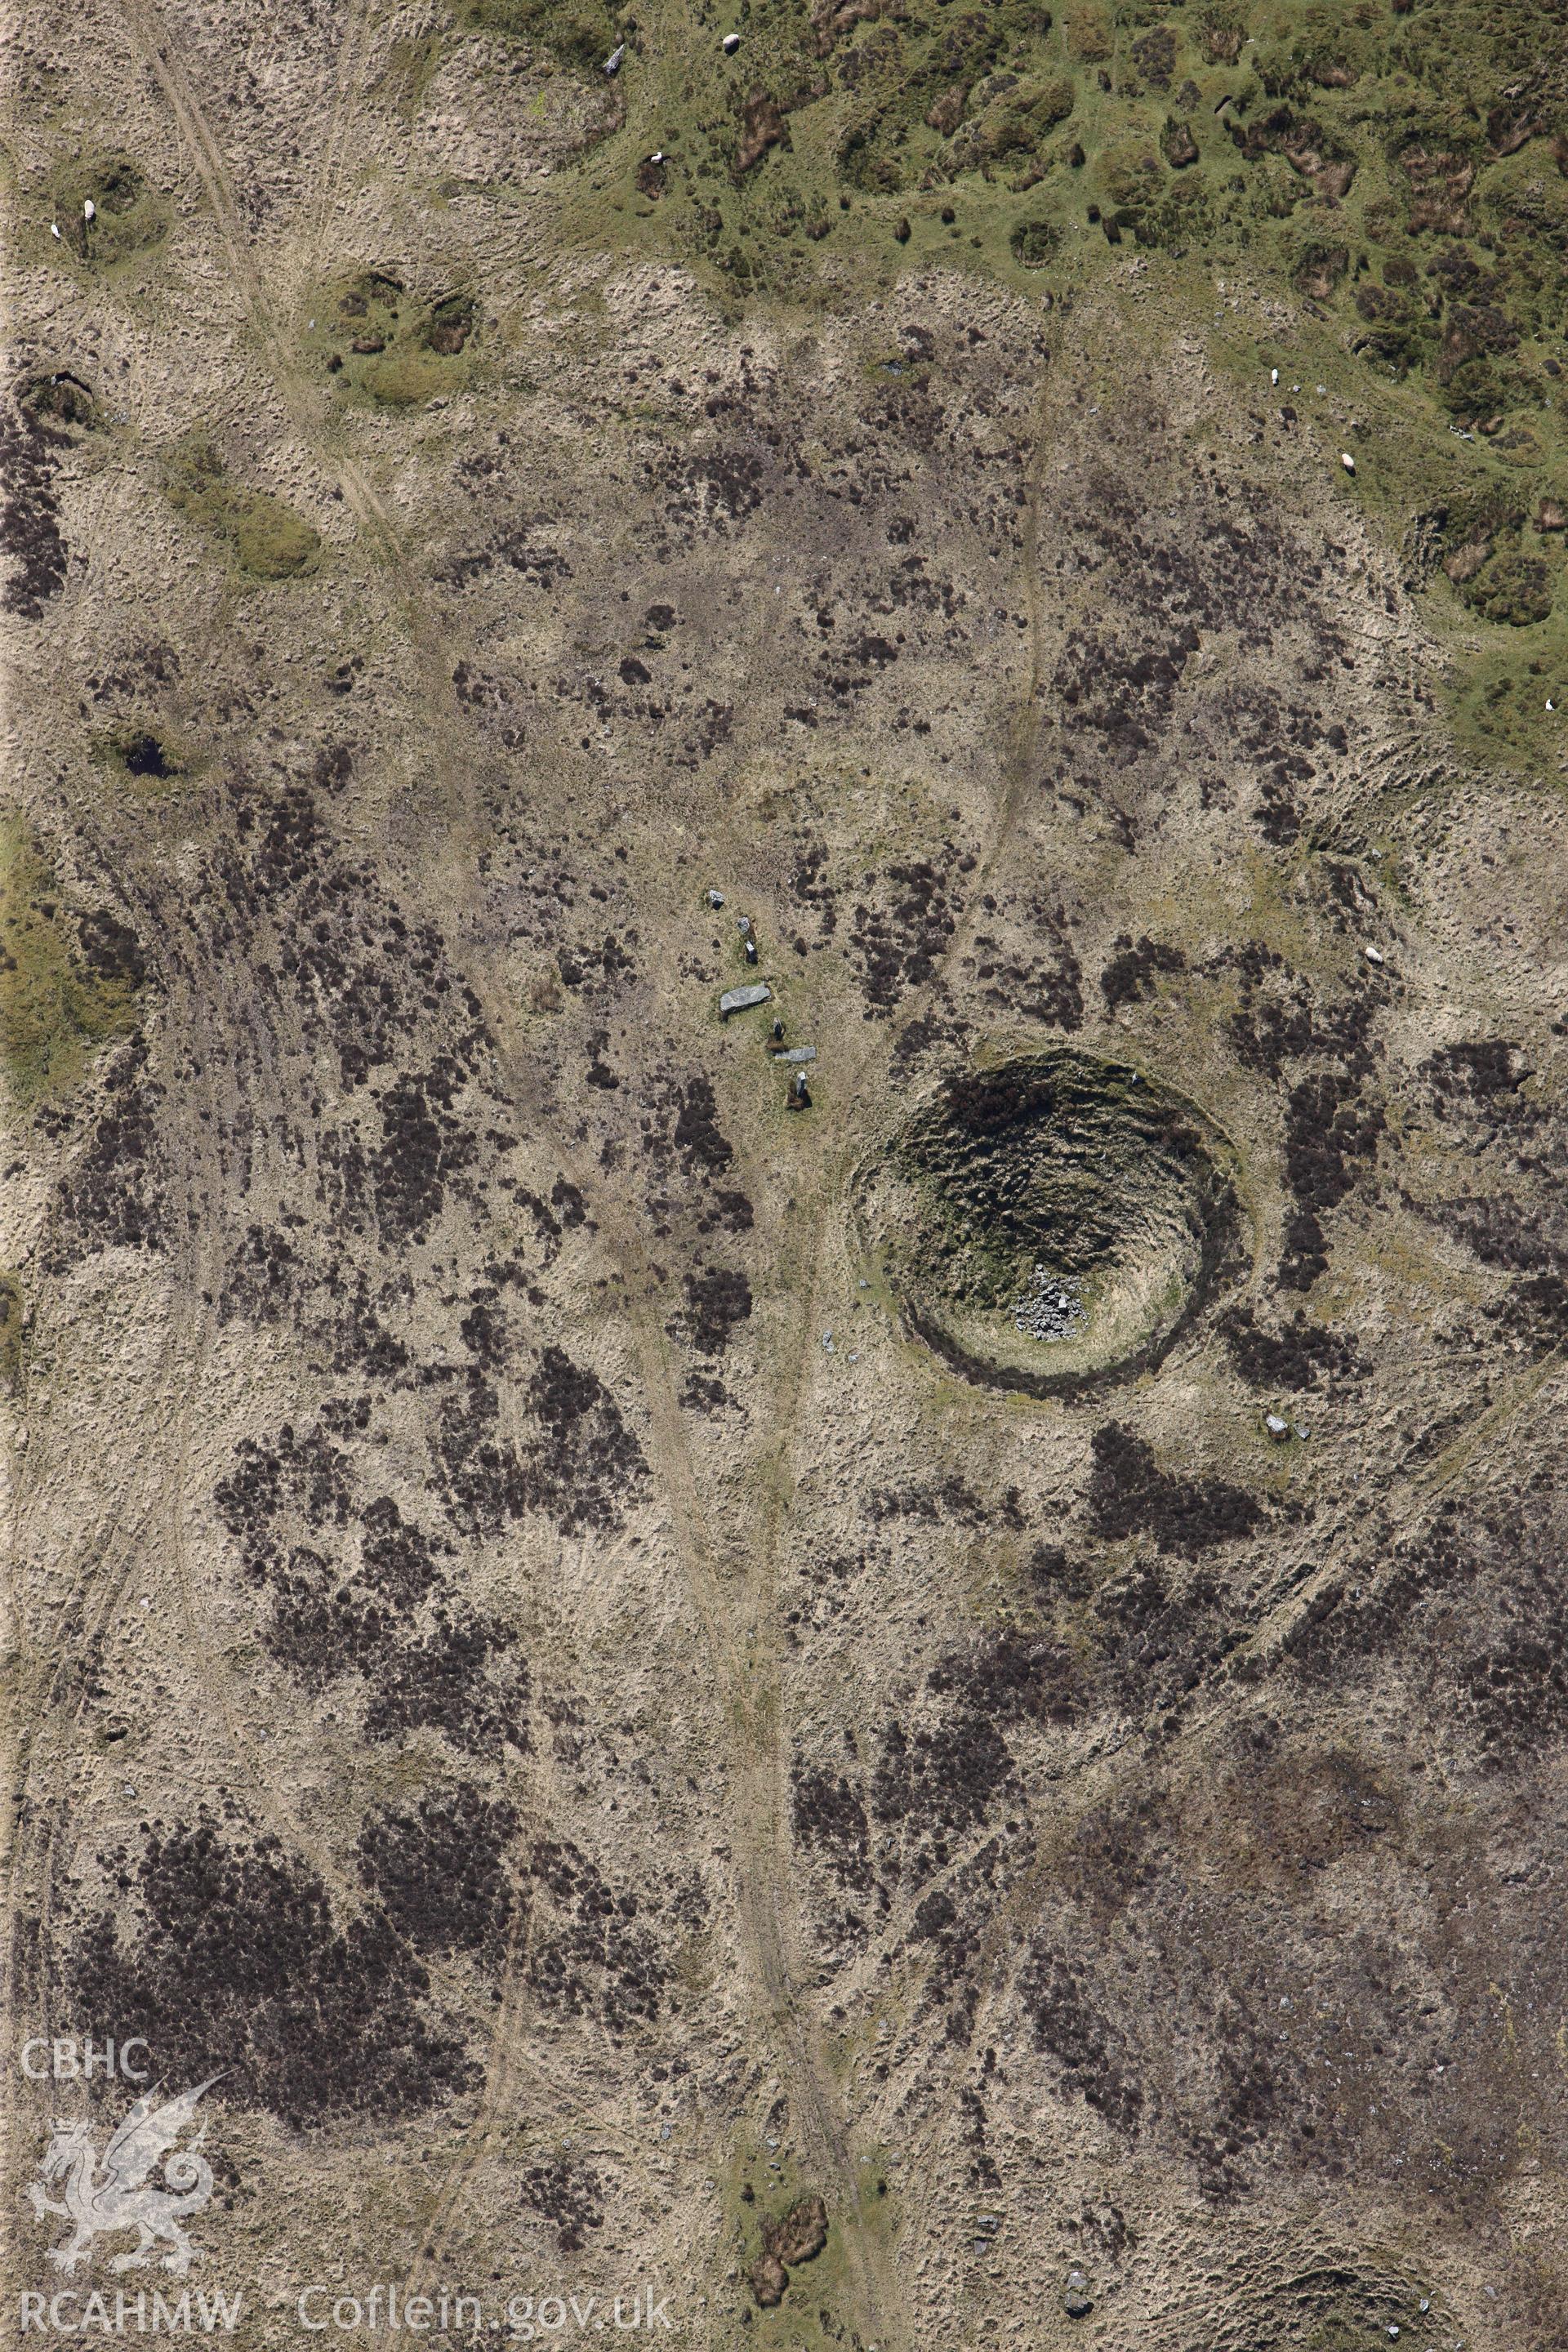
[63, 408]
[265, 537]
[65, 990]
[1498, 703]
[377, 340]
[1332, 147]
[411, 66]
[130, 220]
[818, 2300]
[1400, 178]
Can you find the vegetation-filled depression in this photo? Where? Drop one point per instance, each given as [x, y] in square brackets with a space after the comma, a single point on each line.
[1053, 1221]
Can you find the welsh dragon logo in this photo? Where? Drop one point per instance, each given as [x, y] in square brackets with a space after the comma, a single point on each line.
[121, 2193]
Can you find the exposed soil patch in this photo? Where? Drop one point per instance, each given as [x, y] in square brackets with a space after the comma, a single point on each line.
[797, 2237]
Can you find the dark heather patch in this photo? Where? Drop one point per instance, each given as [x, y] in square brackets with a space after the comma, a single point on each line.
[687, 1153]
[936, 1783]
[700, 1140]
[983, 2172]
[458, 1677]
[830, 1820]
[231, 1958]
[1479, 1084]
[1158, 1639]
[1052, 993]
[30, 535]
[262, 1277]
[110, 949]
[921, 1039]
[114, 1197]
[1332, 1129]
[440, 1871]
[1129, 1495]
[1055, 1576]
[357, 1588]
[1280, 1020]
[570, 1205]
[577, 1468]
[1299, 1355]
[1517, 1217]
[1535, 1310]
[1224, 1931]
[810, 886]
[947, 1930]
[717, 1300]
[1133, 971]
[485, 1331]
[898, 941]
[1331, 1135]
[1523, 1236]
[566, 2193]
[590, 1954]
[1154, 55]
[708, 491]
[349, 971]
[586, 1458]
[1515, 1686]
[1013, 1676]
[423, 1147]
[1148, 1640]
[1121, 690]
[1470, 1617]
[1071, 2025]
[953, 1500]
[481, 1479]
[304, 1482]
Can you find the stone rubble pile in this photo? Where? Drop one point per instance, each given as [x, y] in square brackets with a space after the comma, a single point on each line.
[1050, 1308]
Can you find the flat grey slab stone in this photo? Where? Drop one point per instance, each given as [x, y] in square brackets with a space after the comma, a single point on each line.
[741, 1000]
[798, 1054]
